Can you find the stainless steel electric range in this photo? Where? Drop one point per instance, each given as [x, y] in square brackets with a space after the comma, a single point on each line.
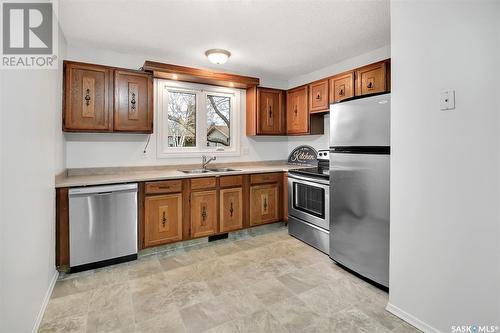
[309, 203]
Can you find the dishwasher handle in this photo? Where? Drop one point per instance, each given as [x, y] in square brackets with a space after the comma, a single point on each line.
[105, 189]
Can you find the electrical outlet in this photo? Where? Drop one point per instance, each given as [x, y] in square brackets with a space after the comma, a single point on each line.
[447, 101]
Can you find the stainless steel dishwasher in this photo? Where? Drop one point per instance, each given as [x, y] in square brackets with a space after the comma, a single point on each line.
[102, 225]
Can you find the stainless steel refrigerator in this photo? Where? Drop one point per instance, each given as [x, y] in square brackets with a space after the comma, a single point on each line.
[359, 185]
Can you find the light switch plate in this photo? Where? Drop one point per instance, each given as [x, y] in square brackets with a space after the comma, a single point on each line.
[447, 101]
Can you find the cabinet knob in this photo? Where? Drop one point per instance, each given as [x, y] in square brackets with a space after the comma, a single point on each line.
[295, 111]
[133, 101]
[369, 85]
[231, 210]
[87, 97]
[270, 111]
[203, 214]
[318, 96]
[341, 92]
[265, 204]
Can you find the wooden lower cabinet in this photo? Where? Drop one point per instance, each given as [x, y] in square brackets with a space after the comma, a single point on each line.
[163, 219]
[203, 213]
[285, 196]
[264, 204]
[231, 209]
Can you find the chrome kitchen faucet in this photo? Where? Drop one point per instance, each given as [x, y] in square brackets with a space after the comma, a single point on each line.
[205, 160]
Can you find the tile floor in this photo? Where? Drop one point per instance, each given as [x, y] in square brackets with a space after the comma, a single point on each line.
[257, 282]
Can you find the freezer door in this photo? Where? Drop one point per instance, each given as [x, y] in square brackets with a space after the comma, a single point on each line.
[361, 122]
[359, 214]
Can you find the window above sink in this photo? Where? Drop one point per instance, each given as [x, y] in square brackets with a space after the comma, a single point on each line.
[196, 119]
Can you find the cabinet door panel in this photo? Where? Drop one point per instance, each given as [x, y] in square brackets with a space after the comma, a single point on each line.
[231, 209]
[203, 213]
[341, 87]
[163, 223]
[264, 207]
[87, 98]
[285, 196]
[371, 79]
[297, 111]
[318, 96]
[270, 120]
[133, 108]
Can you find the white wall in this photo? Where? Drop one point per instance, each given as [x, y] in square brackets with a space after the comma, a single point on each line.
[445, 170]
[342, 66]
[29, 137]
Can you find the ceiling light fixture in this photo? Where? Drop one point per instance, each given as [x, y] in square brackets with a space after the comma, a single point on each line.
[218, 56]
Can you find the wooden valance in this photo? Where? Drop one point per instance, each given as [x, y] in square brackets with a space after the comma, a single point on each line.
[189, 74]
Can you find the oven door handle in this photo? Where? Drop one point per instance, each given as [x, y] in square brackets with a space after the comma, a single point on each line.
[309, 180]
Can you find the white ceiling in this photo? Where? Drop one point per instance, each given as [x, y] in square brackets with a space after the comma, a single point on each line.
[274, 38]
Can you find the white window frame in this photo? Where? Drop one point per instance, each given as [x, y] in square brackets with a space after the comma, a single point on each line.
[201, 91]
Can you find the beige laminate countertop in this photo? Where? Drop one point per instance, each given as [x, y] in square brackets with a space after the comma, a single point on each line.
[100, 176]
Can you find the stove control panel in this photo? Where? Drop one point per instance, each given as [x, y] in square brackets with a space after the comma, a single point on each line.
[323, 155]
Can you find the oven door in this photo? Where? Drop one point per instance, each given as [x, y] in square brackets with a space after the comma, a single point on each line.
[308, 200]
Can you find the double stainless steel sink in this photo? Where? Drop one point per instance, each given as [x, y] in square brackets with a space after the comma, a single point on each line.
[208, 170]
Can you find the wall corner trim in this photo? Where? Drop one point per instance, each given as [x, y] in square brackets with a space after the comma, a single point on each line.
[46, 300]
[410, 319]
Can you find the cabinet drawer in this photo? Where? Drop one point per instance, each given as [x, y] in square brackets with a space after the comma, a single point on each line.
[167, 186]
[203, 183]
[230, 181]
[264, 178]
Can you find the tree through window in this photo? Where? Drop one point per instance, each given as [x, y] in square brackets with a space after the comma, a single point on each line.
[181, 119]
[218, 121]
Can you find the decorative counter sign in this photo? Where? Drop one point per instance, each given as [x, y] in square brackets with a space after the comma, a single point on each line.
[303, 155]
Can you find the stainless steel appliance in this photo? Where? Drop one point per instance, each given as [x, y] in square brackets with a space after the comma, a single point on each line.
[102, 225]
[359, 172]
[308, 203]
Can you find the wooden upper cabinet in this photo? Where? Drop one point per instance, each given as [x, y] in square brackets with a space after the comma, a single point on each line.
[297, 112]
[265, 111]
[264, 204]
[372, 78]
[133, 102]
[163, 219]
[87, 97]
[106, 99]
[203, 213]
[318, 96]
[341, 86]
[231, 209]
